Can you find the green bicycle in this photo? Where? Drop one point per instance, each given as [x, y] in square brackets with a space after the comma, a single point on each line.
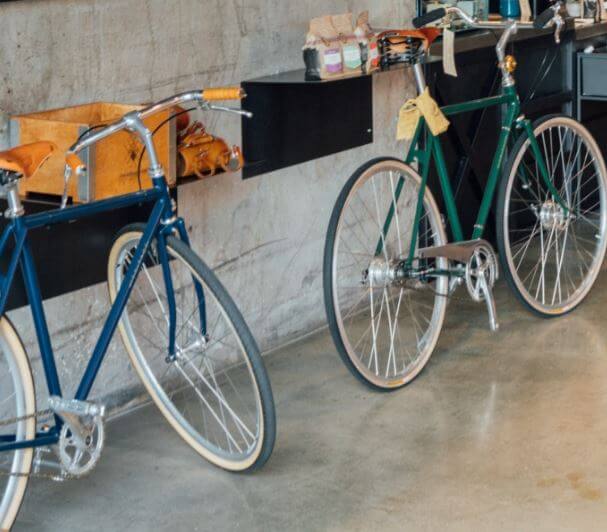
[388, 268]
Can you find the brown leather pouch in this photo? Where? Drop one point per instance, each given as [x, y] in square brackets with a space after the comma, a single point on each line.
[203, 155]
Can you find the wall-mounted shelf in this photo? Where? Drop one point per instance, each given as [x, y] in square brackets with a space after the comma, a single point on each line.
[295, 120]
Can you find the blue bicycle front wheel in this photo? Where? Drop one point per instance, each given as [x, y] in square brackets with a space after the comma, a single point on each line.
[18, 421]
[214, 390]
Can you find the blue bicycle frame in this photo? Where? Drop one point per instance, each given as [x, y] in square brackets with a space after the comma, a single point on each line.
[161, 223]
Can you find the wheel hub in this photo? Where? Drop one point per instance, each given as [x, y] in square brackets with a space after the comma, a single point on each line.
[382, 273]
[552, 216]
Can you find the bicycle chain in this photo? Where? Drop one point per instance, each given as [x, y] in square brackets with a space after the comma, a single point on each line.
[40, 413]
[46, 476]
[449, 296]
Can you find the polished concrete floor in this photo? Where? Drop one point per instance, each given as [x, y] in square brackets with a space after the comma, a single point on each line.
[500, 432]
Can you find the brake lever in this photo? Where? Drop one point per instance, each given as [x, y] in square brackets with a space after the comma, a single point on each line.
[221, 108]
[233, 110]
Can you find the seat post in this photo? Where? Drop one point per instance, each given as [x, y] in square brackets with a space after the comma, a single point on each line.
[420, 78]
[15, 207]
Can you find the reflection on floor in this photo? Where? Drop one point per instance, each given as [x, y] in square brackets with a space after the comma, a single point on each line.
[500, 432]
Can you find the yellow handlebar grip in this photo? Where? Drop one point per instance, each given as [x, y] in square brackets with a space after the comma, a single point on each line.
[223, 93]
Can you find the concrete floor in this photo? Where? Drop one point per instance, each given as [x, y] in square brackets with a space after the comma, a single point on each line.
[500, 432]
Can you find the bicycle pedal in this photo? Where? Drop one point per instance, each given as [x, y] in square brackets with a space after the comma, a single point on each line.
[48, 468]
[73, 407]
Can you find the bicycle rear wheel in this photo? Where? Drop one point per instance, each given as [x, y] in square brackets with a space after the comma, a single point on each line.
[384, 331]
[17, 400]
[551, 258]
[215, 391]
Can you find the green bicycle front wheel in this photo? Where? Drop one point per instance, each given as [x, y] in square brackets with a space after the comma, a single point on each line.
[551, 255]
[215, 391]
[384, 331]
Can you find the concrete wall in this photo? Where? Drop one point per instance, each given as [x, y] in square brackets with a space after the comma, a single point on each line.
[264, 236]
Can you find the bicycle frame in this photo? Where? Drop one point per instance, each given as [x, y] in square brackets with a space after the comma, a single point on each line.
[433, 150]
[161, 223]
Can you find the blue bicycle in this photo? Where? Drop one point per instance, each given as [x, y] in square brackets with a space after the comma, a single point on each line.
[184, 335]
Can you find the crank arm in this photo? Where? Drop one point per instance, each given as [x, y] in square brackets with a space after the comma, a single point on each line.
[490, 301]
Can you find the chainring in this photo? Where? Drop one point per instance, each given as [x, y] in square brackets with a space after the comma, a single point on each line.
[80, 458]
[482, 263]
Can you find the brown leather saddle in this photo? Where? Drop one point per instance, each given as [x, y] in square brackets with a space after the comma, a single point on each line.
[26, 159]
[405, 46]
[426, 35]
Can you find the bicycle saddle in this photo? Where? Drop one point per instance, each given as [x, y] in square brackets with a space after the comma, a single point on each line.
[26, 159]
[426, 35]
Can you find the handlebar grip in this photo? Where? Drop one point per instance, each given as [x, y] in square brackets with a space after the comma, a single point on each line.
[543, 18]
[427, 18]
[223, 93]
[74, 162]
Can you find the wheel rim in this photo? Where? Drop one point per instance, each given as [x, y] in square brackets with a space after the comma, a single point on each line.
[554, 258]
[13, 403]
[209, 390]
[387, 331]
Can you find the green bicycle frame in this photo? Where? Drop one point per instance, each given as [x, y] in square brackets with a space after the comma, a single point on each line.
[433, 150]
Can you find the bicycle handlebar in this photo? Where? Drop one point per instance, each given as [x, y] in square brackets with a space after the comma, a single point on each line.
[130, 120]
[510, 27]
[552, 13]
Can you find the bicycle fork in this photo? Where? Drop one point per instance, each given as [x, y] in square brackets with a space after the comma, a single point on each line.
[177, 224]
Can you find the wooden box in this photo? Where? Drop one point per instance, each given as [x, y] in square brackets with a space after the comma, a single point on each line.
[112, 163]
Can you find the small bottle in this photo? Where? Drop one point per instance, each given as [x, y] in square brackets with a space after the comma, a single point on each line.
[510, 8]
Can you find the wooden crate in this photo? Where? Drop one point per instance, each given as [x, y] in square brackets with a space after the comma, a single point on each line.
[112, 163]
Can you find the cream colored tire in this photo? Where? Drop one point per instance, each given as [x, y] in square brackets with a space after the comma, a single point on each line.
[249, 433]
[14, 359]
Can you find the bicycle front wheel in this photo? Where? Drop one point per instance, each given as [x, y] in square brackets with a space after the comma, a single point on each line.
[552, 250]
[385, 318]
[17, 411]
[214, 391]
